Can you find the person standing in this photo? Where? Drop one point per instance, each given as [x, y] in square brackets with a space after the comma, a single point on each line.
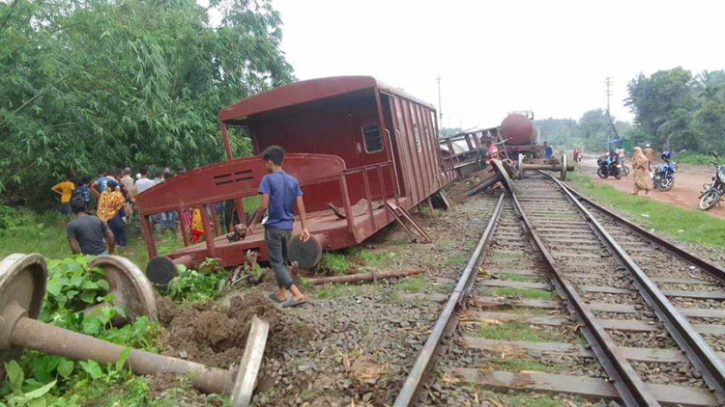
[548, 151]
[127, 180]
[143, 183]
[280, 193]
[640, 166]
[111, 211]
[86, 233]
[65, 190]
[99, 185]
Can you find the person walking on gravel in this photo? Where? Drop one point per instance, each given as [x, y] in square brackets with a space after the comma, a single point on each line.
[640, 166]
[280, 193]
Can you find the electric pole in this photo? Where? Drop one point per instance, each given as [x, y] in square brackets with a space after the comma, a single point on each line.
[612, 129]
[608, 82]
[440, 109]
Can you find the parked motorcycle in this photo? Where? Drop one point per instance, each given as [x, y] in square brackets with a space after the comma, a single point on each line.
[716, 189]
[624, 169]
[664, 174]
[608, 166]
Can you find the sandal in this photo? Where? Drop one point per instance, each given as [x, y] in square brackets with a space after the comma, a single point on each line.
[291, 303]
[273, 297]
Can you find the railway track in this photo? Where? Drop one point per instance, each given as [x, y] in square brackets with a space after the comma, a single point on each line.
[577, 305]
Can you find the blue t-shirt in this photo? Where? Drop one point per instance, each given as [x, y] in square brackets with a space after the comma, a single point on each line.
[549, 152]
[103, 182]
[283, 189]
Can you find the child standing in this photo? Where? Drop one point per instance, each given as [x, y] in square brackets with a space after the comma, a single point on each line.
[280, 193]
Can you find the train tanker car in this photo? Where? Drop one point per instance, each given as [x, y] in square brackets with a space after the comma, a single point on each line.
[365, 154]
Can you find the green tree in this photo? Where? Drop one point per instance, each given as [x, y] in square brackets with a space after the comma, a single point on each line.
[102, 83]
[660, 101]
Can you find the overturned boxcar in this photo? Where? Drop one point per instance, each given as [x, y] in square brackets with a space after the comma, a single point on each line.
[365, 155]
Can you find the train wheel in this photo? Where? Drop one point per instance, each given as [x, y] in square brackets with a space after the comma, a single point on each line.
[563, 167]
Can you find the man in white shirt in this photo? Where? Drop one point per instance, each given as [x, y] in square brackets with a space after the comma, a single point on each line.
[144, 183]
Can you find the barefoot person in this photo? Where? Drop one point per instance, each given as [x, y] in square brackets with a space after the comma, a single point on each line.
[640, 165]
[280, 193]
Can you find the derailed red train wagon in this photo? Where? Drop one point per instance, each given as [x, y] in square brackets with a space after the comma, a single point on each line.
[353, 142]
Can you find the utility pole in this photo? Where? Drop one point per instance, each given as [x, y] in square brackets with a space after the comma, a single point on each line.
[440, 109]
[612, 129]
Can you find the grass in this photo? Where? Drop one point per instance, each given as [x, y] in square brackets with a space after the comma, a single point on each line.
[519, 365]
[331, 291]
[518, 331]
[412, 285]
[693, 158]
[684, 225]
[515, 277]
[528, 293]
[45, 234]
[337, 263]
[456, 259]
[344, 261]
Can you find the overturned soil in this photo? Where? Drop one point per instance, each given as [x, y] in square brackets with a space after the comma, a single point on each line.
[213, 334]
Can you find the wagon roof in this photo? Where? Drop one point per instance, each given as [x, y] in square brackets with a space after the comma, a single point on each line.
[307, 91]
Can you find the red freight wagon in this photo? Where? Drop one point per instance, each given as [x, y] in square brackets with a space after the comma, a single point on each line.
[353, 142]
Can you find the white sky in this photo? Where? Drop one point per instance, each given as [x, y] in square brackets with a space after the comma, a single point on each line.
[497, 56]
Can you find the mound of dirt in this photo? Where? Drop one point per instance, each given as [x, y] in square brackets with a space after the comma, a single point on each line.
[211, 334]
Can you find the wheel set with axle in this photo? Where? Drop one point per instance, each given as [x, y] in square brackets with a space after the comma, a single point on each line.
[22, 288]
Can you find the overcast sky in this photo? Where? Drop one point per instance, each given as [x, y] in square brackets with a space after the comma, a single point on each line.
[498, 56]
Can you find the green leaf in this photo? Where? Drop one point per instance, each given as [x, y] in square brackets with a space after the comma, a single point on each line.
[15, 374]
[54, 287]
[37, 402]
[92, 368]
[40, 392]
[92, 326]
[103, 284]
[122, 357]
[89, 297]
[65, 368]
[89, 285]
[76, 281]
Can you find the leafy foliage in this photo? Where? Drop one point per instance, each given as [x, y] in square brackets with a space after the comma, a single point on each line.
[202, 285]
[102, 83]
[71, 287]
[677, 111]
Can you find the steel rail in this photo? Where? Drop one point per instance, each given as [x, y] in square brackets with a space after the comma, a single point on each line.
[447, 319]
[700, 354]
[712, 269]
[629, 385]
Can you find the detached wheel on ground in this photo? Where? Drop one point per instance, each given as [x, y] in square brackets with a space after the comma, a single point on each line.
[307, 254]
[131, 290]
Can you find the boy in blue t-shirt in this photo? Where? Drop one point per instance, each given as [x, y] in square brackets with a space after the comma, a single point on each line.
[280, 193]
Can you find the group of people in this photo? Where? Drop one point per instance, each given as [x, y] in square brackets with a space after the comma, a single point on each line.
[98, 235]
[113, 195]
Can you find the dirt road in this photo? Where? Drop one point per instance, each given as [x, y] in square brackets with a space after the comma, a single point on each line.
[685, 194]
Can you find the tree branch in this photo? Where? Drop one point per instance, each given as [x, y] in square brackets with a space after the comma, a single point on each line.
[7, 16]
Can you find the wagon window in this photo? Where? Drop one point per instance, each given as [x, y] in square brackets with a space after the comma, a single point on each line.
[373, 138]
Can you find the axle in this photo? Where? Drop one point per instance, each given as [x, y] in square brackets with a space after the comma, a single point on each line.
[32, 334]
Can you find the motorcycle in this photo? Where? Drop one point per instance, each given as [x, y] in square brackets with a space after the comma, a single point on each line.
[664, 176]
[624, 169]
[608, 166]
[716, 189]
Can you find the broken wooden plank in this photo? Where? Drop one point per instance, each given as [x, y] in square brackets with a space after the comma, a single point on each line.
[246, 378]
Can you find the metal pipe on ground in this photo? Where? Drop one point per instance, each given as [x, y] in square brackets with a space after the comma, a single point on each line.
[22, 288]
